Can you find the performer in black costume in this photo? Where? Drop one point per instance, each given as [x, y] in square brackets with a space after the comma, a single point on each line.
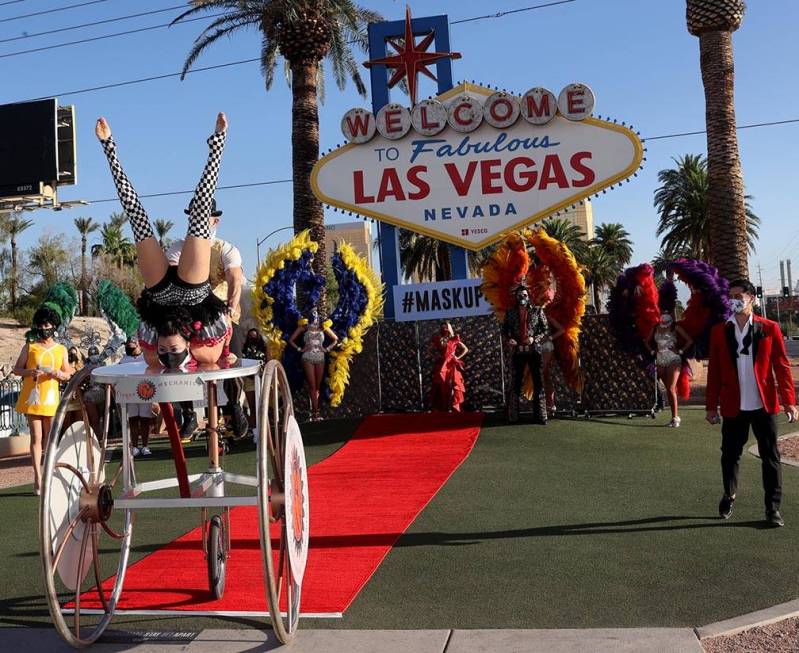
[525, 328]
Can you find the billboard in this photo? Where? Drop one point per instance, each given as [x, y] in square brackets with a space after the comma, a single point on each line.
[28, 147]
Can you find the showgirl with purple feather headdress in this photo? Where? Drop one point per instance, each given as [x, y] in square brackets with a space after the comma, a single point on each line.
[642, 316]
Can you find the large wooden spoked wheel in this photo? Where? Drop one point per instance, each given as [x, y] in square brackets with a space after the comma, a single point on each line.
[77, 519]
[282, 500]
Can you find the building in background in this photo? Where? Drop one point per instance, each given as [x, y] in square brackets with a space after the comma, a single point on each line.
[583, 216]
[358, 234]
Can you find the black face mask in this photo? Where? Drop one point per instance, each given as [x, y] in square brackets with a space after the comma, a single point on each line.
[172, 360]
[44, 334]
[131, 352]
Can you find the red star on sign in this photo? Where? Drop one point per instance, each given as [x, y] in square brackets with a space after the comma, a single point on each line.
[412, 58]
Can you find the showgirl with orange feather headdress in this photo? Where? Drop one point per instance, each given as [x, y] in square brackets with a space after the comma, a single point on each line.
[553, 276]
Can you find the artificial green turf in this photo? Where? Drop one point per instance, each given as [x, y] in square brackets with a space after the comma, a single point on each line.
[607, 522]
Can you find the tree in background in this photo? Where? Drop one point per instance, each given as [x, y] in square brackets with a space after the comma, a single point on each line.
[85, 226]
[423, 257]
[162, 228]
[614, 240]
[48, 261]
[5, 268]
[304, 33]
[682, 202]
[115, 246]
[569, 234]
[729, 242]
[11, 225]
[599, 270]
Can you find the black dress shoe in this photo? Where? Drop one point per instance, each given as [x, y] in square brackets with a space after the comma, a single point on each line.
[725, 507]
[239, 422]
[188, 427]
[774, 518]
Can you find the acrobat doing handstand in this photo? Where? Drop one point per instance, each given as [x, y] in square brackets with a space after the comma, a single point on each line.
[182, 320]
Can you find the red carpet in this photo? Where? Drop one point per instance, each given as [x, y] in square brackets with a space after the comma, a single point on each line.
[362, 499]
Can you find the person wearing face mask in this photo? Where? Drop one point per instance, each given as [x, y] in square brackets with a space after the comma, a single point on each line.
[447, 390]
[669, 357]
[525, 329]
[747, 353]
[140, 416]
[178, 293]
[226, 277]
[42, 364]
[74, 358]
[255, 349]
[313, 350]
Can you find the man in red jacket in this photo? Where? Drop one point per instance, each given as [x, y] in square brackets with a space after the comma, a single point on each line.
[746, 353]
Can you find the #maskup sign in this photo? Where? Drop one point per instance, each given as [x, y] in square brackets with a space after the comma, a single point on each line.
[440, 300]
[473, 164]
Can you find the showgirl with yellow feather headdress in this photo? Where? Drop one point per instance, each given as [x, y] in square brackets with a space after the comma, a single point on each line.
[545, 269]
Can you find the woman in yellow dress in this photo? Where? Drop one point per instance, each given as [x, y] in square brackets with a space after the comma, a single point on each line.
[42, 363]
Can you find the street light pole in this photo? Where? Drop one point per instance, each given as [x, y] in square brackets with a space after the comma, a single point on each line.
[258, 243]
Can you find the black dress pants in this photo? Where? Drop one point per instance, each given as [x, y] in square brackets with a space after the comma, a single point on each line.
[734, 434]
[533, 360]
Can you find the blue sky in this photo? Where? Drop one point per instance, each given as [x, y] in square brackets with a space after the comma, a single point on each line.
[636, 55]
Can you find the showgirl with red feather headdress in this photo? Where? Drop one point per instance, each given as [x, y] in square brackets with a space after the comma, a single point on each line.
[642, 316]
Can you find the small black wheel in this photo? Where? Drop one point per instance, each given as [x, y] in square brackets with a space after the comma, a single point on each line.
[217, 556]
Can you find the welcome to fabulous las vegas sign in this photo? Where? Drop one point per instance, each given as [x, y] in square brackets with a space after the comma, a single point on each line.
[472, 164]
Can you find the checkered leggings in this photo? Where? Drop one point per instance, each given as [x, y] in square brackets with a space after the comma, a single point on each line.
[200, 206]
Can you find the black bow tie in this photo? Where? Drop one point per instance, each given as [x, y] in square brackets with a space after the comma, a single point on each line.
[747, 341]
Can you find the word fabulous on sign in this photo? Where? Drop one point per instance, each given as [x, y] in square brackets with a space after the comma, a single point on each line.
[473, 164]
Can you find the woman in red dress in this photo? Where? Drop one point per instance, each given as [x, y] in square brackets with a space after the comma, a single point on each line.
[448, 390]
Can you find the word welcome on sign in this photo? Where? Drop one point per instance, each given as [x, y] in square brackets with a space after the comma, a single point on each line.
[465, 113]
[469, 188]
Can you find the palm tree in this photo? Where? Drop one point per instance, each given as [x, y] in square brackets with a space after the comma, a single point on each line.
[118, 220]
[615, 241]
[477, 259]
[85, 226]
[162, 228]
[682, 201]
[13, 225]
[714, 21]
[115, 246]
[303, 32]
[599, 270]
[424, 257]
[569, 234]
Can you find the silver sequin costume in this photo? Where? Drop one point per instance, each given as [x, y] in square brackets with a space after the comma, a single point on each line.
[314, 344]
[666, 344]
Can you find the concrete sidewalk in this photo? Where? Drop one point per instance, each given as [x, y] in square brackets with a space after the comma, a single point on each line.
[600, 640]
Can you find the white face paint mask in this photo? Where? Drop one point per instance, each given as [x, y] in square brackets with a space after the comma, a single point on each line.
[737, 305]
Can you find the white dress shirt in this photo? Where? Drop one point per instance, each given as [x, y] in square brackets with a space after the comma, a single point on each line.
[750, 393]
[230, 255]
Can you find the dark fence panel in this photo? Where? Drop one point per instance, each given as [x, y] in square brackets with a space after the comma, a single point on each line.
[393, 372]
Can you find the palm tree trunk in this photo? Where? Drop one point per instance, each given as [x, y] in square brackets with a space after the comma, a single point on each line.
[308, 212]
[597, 297]
[726, 208]
[13, 272]
[84, 295]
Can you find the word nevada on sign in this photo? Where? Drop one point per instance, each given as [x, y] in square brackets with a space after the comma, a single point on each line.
[473, 164]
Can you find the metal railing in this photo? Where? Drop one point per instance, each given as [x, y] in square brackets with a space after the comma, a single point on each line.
[11, 422]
